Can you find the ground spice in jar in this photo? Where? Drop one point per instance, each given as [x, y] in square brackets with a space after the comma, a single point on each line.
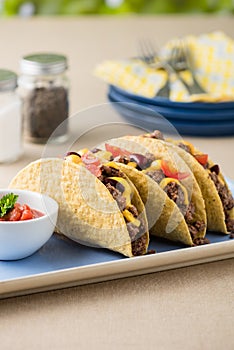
[44, 109]
[44, 90]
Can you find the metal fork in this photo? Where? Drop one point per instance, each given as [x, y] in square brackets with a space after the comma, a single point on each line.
[180, 61]
[149, 56]
[176, 63]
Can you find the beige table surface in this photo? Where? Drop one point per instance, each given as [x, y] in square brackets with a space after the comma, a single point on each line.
[188, 308]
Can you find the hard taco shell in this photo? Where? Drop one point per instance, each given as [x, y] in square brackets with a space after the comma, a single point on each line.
[213, 204]
[164, 217]
[87, 212]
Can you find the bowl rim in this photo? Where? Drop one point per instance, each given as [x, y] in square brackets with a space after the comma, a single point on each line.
[36, 194]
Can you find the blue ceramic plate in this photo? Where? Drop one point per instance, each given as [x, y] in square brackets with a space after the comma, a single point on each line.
[162, 101]
[151, 119]
[61, 263]
[176, 111]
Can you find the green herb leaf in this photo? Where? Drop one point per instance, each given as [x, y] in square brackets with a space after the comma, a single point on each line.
[7, 203]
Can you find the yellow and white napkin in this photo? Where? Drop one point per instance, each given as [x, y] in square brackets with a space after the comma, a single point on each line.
[213, 64]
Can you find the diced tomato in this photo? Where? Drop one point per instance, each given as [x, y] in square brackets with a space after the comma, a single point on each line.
[89, 158]
[26, 215]
[92, 163]
[36, 213]
[201, 158]
[170, 171]
[116, 151]
[21, 213]
[17, 205]
[15, 214]
[95, 170]
[25, 207]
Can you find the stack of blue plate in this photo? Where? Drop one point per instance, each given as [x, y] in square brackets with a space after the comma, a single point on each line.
[195, 119]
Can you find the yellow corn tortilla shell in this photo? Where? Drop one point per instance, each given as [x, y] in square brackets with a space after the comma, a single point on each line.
[164, 217]
[214, 208]
[161, 150]
[87, 212]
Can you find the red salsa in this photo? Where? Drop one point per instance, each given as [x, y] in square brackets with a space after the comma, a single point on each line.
[21, 212]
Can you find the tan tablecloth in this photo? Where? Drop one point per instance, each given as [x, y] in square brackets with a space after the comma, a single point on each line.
[189, 308]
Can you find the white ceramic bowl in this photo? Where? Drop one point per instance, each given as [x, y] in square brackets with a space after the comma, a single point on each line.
[19, 239]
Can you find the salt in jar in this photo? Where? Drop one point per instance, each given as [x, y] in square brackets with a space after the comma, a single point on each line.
[10, 118]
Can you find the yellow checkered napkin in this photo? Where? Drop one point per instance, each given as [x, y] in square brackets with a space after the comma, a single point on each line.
[213, 63]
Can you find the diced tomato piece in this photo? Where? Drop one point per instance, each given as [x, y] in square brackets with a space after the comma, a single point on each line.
[26, 215]
[116, 151]
[25, 207]
[15, 214]
[170, 171]
[95, 170]
[201, 158]
[17, 205]
[89, 158]
[91, 163]
[182, 176]
[36, 213]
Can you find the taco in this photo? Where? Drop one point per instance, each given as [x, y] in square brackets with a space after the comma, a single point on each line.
[218, 197]
[170, 186]
[98, 205]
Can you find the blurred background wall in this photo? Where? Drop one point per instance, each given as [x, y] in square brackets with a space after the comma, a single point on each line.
[78, 7]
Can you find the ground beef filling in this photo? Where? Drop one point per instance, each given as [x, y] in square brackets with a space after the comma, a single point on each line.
[138, 246]
[137, 233]
[156, 134]
[229, 224]
[175, 193]
[142, 161]
[122, 159]
[184, 147]
[156, 175]
[226, 198]
[200, 241]
[117, 195]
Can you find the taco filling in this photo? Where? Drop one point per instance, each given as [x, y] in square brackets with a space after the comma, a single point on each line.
[122, 192]
[214, 171]
[167, 177]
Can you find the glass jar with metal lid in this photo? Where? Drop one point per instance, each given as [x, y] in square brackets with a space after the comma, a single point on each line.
[10, 118]
[43, 87]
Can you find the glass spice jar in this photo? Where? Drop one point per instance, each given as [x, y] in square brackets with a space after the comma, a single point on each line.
[43, 87]
[10, 118]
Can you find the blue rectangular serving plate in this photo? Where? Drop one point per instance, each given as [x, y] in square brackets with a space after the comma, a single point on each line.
[63, 263]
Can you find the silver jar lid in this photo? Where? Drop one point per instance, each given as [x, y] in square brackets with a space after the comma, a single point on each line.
[43, 64]
[8, 80]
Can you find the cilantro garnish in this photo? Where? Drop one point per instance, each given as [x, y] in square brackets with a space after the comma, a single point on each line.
[7, 203]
